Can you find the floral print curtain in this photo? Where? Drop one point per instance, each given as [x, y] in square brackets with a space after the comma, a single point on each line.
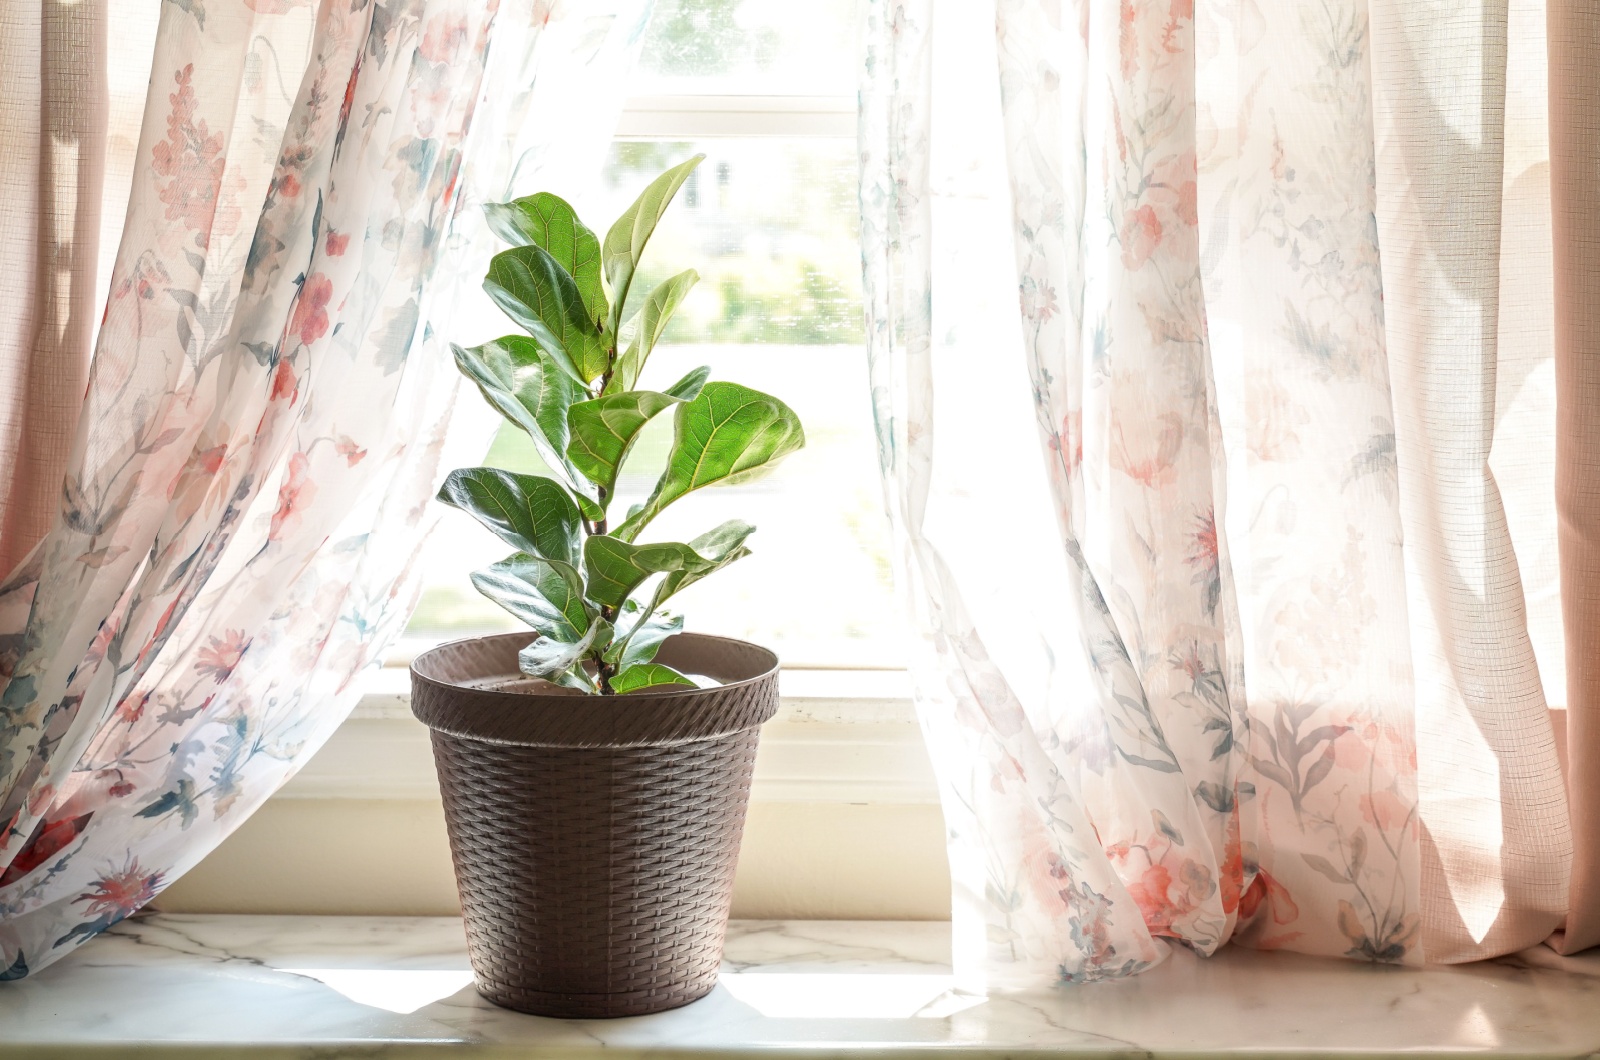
[1183, 329]
[264, 419]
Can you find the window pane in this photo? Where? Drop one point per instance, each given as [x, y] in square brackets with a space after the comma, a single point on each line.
[771, 227]
[759, 47]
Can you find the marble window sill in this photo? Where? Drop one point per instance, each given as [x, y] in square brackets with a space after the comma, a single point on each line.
[259, 986]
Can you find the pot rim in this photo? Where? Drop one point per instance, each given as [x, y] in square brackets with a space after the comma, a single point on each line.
[424, 657]
[441, 700]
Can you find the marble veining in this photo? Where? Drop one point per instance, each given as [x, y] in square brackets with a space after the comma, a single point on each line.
[305, 987]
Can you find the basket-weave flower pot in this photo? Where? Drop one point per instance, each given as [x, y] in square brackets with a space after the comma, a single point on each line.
[594, 837]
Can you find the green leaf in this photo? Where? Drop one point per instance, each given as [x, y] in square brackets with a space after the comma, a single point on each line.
[546, 220]
[648, 675]
[546, 594]
[638, 640]
[562, 661]
[537, 293]
[616, 568]
[625, 241]
[723, 435]
[528, 512]
[591, 510]
[717, 548]
[527, 387]
[648, 325]
[604, 429]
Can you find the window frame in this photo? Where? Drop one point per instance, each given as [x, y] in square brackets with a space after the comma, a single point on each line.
[668, 117]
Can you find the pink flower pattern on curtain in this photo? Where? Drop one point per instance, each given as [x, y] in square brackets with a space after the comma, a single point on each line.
[1224, 741]
[264, 420]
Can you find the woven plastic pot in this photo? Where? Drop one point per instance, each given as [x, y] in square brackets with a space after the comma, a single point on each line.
[594, 837]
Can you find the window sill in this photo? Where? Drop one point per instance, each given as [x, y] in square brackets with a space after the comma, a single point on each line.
[844, 821]
[302, 986]
[842, 736]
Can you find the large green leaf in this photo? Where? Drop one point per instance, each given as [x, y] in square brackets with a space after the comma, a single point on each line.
[648, 324]
[527, 387]
[616, 568]
[546, 594]
[604, 429]
[562, 661]
[530, 513]
[640, 634]
[723, 435]
[718, 547]
[547, 221]
[625, 240]
[645, 676]
[536, 292]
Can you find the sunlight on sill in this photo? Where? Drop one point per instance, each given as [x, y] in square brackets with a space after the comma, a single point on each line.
[402, 991]
[871, 996]
[847, 996]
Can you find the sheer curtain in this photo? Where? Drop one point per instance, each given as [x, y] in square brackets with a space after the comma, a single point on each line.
[53, 112]
[1212, 358]
[249, 482]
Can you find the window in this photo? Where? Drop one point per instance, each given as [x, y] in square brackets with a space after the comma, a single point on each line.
[766, 90]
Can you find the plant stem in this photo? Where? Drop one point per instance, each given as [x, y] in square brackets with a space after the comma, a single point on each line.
[604, 671]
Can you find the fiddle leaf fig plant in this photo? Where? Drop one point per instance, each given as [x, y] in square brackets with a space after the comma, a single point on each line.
[592, 592]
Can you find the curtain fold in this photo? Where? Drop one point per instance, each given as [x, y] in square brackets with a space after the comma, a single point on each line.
[1264, 669]
[265, 415]
[53, 112]
[1574, 50]
[1496, 838]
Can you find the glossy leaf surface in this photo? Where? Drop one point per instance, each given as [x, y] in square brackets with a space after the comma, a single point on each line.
[537, 293]
[647, 676]
[648, 325]
[616, 568]
[548, 221]
[527, 387]
[640, 634]
[530, 513]
[546, 594]
[562, 661]
[625, 240]
[717, 547]
[723, 435]
[604, 429]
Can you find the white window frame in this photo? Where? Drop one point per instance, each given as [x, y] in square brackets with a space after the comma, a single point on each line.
[703, 116]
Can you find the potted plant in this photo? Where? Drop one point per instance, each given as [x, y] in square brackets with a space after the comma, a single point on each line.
[595, 776]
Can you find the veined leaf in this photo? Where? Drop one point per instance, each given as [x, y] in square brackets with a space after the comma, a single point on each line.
[604, 429]
[648, 325]
[625, 240]
[562, 661]
[546, 594]
[640, 633]
[648, 675]
[537, 293]
[718, 547]
[546, 220]
[723, 435]
[527, 387]
[616, 568]
[528, 512]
